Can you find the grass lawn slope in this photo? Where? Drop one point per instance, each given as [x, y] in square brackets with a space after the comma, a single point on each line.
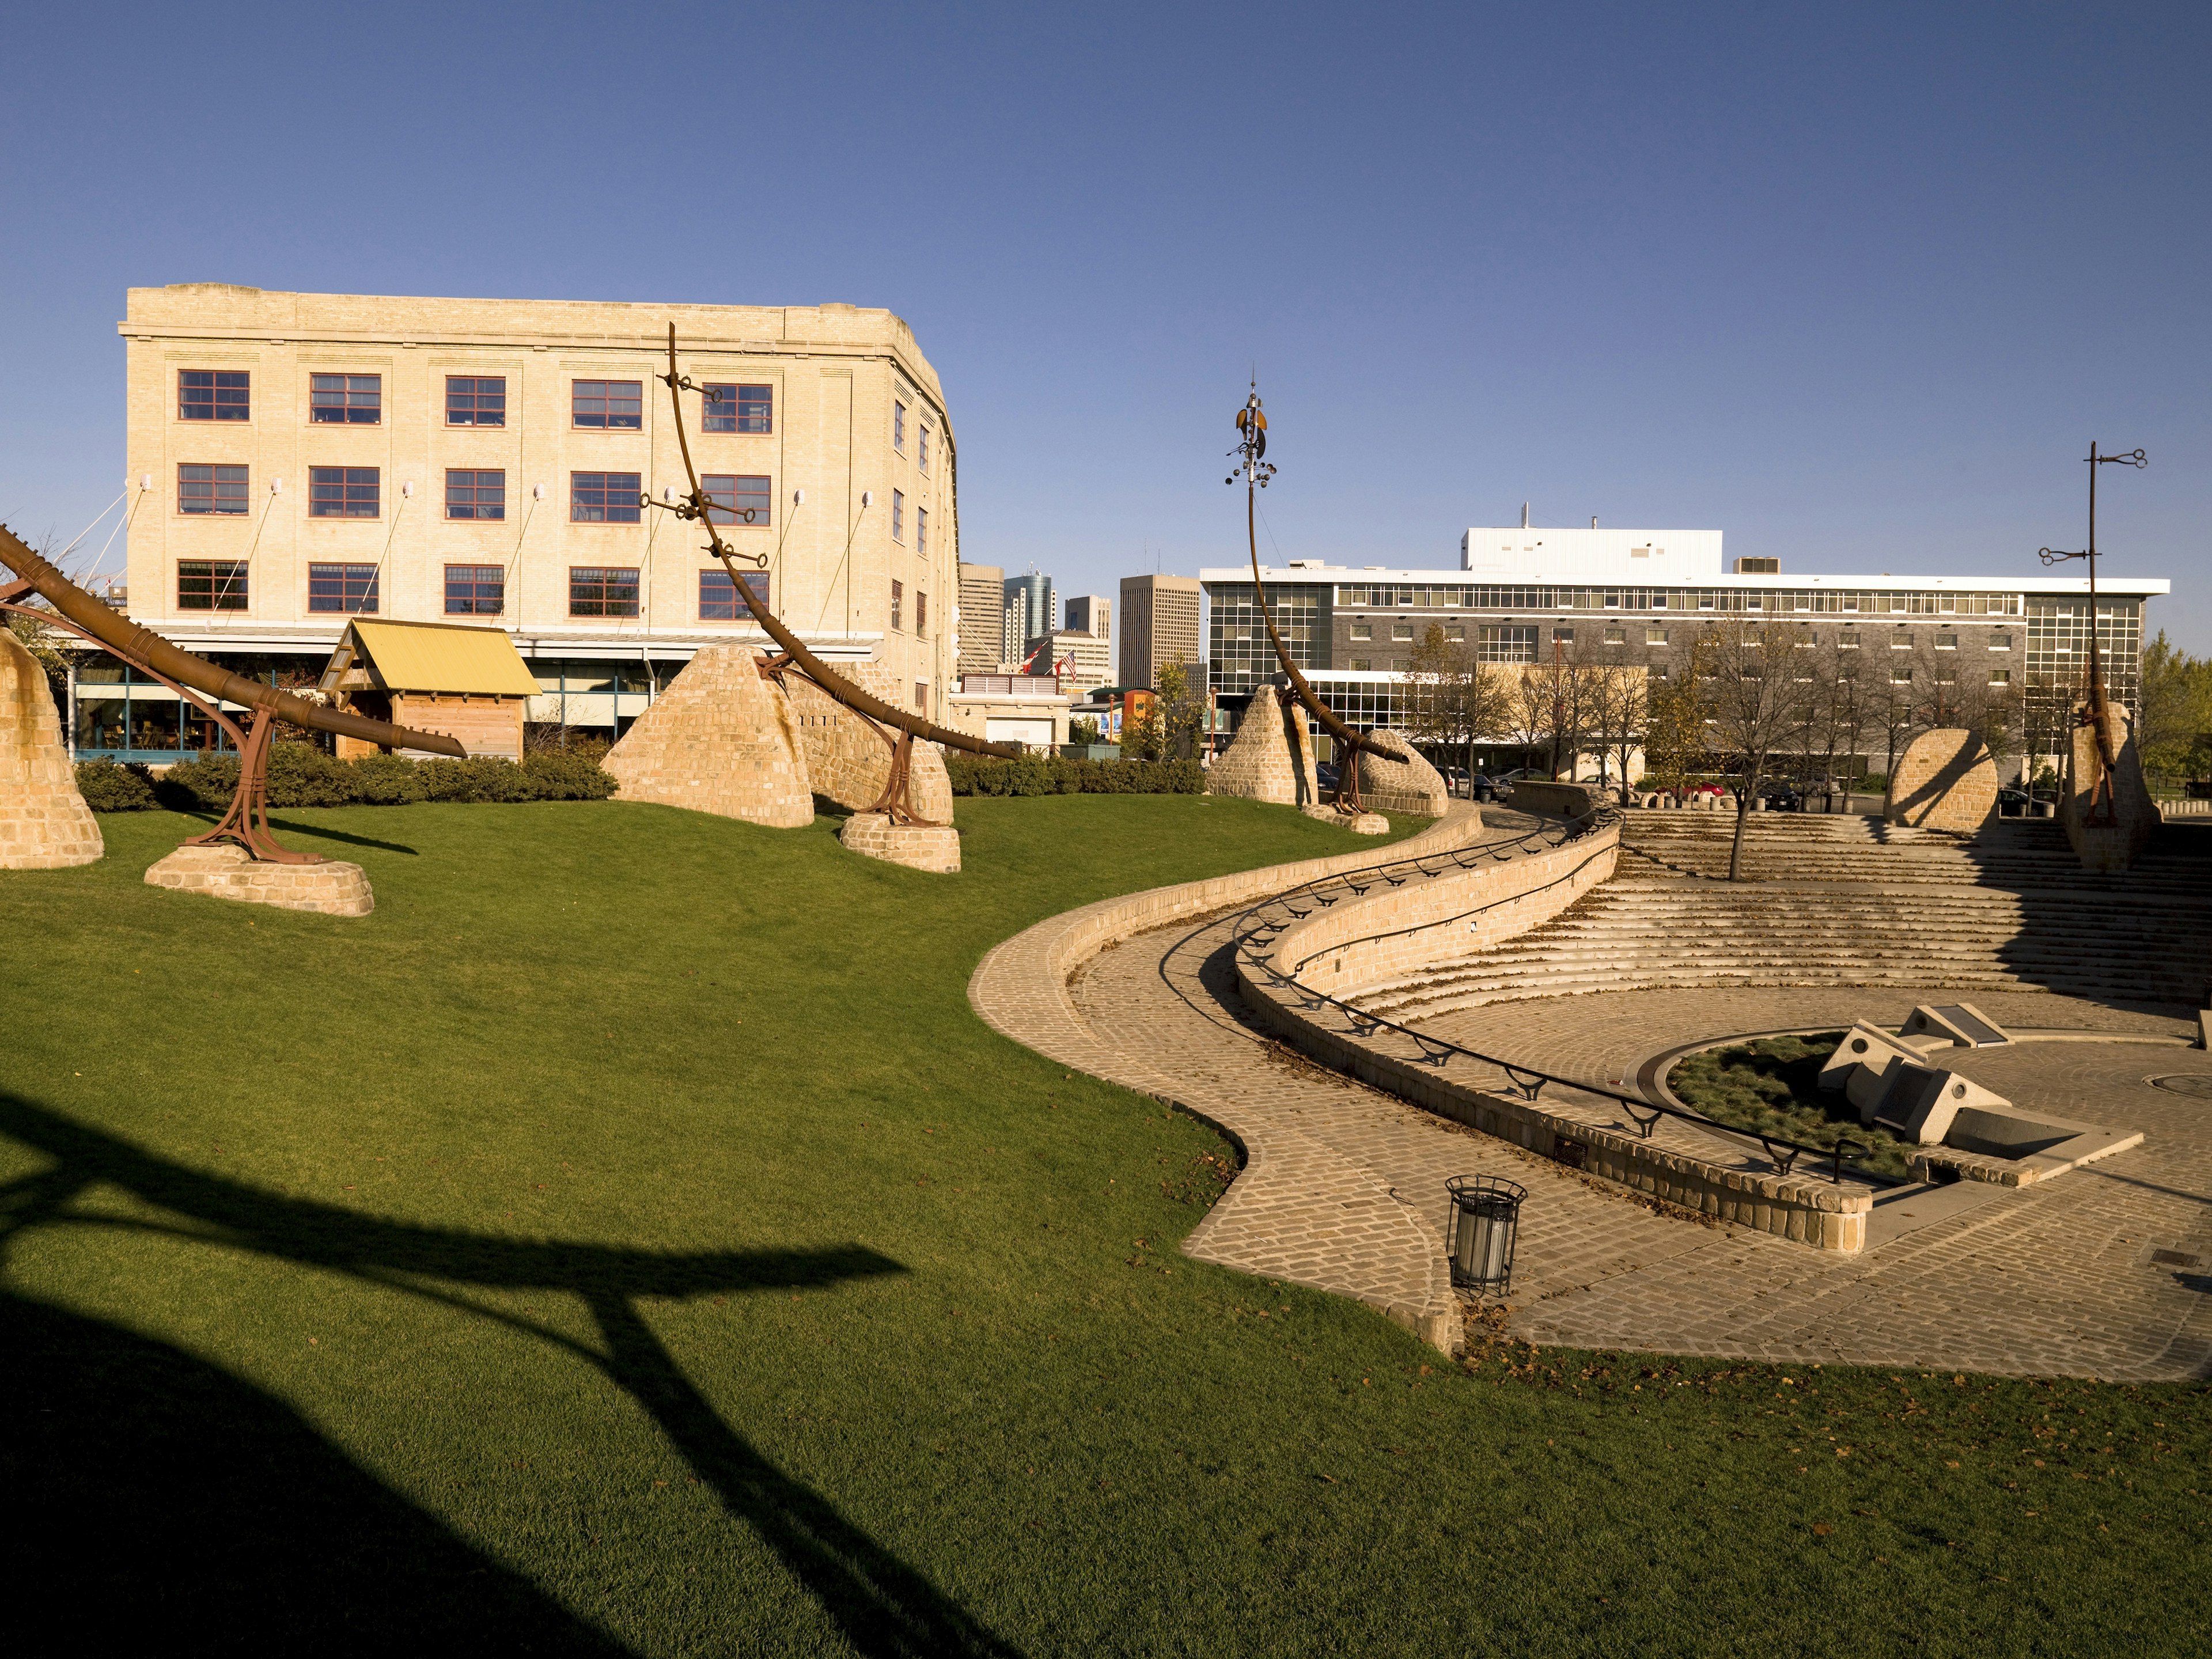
[628, 1240]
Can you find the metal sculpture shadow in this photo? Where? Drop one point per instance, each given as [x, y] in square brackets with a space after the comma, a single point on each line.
[109, 1384]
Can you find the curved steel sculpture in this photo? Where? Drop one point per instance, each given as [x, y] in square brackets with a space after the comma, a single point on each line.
[896, 801]
[207, 686]
[1251, 451]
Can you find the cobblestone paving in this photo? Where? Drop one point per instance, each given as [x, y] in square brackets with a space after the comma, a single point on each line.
[2056, 1279]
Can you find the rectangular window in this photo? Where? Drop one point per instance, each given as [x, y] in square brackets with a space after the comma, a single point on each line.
[718, 595]
[736, 498]
[345, 399]
[1655, 636]
[739, 408]
[898, 601]
[923, 441]
[211, 585]
[211, 489]
[214, 394]
[898, 426]
[476, 590]
[1563, 636]
[604, 498]
[921, 694]
[475, 495]
[1847, 640]
[1616, 636]
[1899, 675]
[1901, 640]
[607, 405]
[1401, 630]
[345, 590]
[899, 515]
[602, 590]
[2000, 641]
[1455, 631]
[920, 611]
[476, 400]
[1506, 644]
[921, 532]
[2001, 676]
[343, 492]
[1363, 630]
[1947, 641]
[1361, 664]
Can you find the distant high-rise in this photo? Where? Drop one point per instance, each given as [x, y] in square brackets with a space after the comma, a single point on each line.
[1089, 614]
[1032, 610]
[982, 618]
[1159, 623]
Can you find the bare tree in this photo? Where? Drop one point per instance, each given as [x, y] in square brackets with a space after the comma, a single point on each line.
[1613, 703]
[1754, 703]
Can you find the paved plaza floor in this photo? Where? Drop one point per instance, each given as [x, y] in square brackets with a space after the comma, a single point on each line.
[2106, 1271]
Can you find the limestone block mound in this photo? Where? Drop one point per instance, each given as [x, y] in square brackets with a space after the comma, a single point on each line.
[1271, 758]
[225, 871]
[931, 846]
[2106, 835]
[43, 822]
[1395, 777]
[1945, 780]
[847, 758]
[721, 739]
[1360, 823]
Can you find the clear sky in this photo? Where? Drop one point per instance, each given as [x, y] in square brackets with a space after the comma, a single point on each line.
[1855, 284]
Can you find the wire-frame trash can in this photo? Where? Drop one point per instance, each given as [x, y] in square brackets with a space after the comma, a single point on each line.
[1486, 1220]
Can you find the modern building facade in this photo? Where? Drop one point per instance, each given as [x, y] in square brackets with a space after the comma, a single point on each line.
[1082, 662]
[302, 459]
[1159, 624]
[1032, 608]
[1524, 595]
[1089, 614]
[980, 630]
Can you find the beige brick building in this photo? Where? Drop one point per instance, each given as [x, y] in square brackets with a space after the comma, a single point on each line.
[307, 457]
[1159, 623]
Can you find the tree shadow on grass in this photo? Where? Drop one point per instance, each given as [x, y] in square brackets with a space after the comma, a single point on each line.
[322, 831]
[178, 1491]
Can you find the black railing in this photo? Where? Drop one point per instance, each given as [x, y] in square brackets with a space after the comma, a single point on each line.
[1527, 1081]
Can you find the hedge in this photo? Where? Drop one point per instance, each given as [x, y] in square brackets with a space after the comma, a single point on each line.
[1061, 774]
[300, 775]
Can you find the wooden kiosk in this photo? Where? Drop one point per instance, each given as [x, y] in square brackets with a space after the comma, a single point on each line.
[469, 683]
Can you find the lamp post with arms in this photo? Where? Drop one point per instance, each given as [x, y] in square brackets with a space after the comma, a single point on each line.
[2101, 808]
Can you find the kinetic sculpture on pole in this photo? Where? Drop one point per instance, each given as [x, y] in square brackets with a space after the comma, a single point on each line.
[897, 801]
[1251, 449]
[207, 687]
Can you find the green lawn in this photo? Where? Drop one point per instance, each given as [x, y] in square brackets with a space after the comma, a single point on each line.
[628, 1240]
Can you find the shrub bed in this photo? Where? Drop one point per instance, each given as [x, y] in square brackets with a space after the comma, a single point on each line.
[300, 775]
[1061, 774]
[1772, 1087]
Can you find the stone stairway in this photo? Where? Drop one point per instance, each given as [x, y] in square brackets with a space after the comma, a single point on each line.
[1845, 900]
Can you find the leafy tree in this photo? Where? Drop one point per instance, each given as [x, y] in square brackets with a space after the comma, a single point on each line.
[2173, 716]
[1180, 709]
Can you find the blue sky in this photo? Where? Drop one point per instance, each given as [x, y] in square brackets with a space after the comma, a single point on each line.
[1856, 285]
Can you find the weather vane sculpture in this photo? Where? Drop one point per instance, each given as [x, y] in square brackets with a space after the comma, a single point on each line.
[2102, 809]
[1250, 455]
[207, 687]
[897, 801]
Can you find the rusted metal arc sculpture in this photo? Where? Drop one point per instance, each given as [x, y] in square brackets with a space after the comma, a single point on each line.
[207, 687]
[896, 799]
[1251, 451]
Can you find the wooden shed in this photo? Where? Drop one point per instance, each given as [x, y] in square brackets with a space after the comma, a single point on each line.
[469, 683]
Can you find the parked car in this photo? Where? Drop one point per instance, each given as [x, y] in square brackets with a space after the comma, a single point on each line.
[1782, 796]
[1327, 775]
[1485, 788]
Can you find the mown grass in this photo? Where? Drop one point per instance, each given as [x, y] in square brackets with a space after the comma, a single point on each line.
[1772, 1086]
[628, 1240]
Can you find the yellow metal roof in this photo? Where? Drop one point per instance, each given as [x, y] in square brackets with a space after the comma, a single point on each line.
[442, 657]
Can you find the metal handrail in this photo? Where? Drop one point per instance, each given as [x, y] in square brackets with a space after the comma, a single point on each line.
[1527, 1081]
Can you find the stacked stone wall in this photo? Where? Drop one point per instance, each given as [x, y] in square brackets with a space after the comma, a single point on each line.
[43, 822]
[1271, 758]
[2106, 847]
[1395, 777]
[1945, 780]
[846, 756]
[931, 846]
[225, 871]
[721, 739]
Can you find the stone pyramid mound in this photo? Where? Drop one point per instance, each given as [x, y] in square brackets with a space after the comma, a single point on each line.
[1271, 758]
[846, 758]
[721, 739]
[43, 822]
[1395, 777]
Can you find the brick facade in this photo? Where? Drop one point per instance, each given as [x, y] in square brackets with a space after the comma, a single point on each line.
[1945, 780]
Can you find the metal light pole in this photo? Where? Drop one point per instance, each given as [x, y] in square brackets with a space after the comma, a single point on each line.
[2101, 809]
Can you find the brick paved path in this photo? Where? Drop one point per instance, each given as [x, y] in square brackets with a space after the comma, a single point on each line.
[1345, 1186]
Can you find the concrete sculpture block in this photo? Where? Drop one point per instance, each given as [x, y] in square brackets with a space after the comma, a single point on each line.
[43, 822]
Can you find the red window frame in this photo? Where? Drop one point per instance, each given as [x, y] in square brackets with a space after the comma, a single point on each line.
[735, 495]
[604, 498]
[476, 400]
[718, 595]
[596, 590]
[608, 406]
[476, 590]
[899, 515]
[728, 406]
[228, 394]
[921, 612]
[345, 590]
[345, 399]
[469, 495]
[898, 602]
[345, 492]
[212, 585]
[208, 491]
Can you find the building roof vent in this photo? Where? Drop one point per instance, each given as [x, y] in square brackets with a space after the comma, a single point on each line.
[1749, 567]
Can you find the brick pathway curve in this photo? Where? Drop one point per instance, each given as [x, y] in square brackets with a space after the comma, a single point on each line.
[1343, 1185]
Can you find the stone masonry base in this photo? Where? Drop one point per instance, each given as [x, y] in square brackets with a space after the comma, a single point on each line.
[330, 890]
[934, 848]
